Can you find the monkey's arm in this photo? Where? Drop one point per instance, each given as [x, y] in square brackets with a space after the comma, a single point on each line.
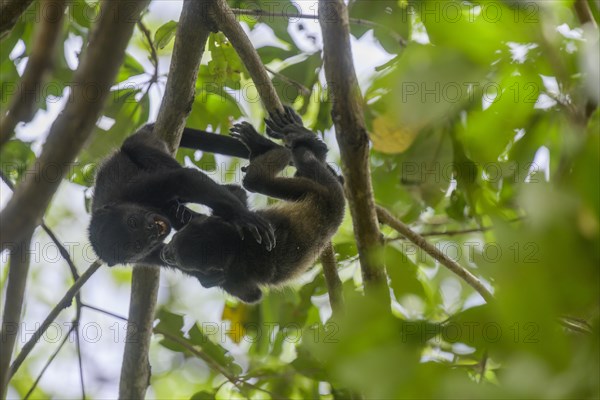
[192, 186]
[179, 215]
[208, 279]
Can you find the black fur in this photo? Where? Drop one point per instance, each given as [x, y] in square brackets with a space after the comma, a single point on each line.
[139, 195]
[312, 212]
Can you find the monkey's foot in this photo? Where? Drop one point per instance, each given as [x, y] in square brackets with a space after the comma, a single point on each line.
[254, 142]
[281, 124]
[288, 127]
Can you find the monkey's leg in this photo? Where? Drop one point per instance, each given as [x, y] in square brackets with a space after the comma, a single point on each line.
[309, 166]
[261, 177]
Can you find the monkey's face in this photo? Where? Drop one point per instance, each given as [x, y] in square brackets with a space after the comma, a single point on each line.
[126, 233]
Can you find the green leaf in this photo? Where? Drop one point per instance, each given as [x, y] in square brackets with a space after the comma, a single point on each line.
[83, 13]
[16, 157]
[169, 322]
[393, 22]
[480, 36]
[130, 67]
[203, 395]
[164, 34]
[308, 366]
[216, 352]
[402, 273]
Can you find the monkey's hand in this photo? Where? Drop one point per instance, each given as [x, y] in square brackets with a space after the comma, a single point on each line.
[179, 214]
[288, 127]
[259, 227]
[254, 142]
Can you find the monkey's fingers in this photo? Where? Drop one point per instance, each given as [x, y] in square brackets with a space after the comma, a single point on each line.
[274, 134]
[239, 230]
[291, 117]
[268, 235]
[278, 120]
[263, 233]
[243, 126]
[241, 139]
[254, 231]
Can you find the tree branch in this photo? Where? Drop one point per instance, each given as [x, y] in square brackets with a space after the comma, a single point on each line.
[22, 106]
[97, 70]
[13, 306]
[584, 13]
[352, 137]
[303, 89]
[228, 24]
[177, 103]
[332, 279]
[65, 302]
[190, 42]
[153, 53]
[10, 11]
[386, 218]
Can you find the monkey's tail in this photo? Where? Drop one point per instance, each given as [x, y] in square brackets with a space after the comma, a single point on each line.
[213, 143]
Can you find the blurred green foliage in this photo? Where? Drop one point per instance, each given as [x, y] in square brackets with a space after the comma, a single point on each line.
[499, 168]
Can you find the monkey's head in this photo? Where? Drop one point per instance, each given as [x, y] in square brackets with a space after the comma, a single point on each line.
[126, 233]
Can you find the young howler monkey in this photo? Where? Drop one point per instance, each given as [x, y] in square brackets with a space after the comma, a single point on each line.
[139, 196]
[311, 214]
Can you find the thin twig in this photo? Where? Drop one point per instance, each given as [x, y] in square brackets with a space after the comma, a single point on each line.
[303, 89]
[356, 21]
[483, 365]
[385, 217]
[75, 323]
[103, 311]
[153, 53]
[52, 357]
[465, 231]
[62, 304]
